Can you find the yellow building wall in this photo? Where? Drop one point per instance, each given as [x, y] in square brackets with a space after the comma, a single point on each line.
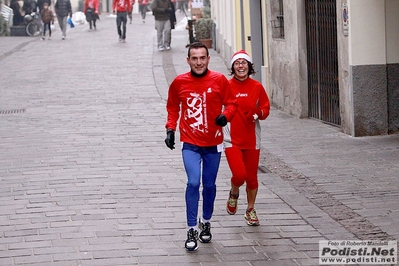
[242, 14]
[265, 68]
[247, 27]
[237, 8]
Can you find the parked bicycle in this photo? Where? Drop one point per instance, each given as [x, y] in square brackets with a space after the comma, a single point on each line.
[34, 25]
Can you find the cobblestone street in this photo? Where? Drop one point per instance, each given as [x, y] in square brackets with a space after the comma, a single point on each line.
[86, 179]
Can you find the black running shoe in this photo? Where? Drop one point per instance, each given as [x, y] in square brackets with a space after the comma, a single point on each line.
[191, 242]
[205, 236]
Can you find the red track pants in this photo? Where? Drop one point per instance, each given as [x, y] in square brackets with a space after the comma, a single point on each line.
[244, 166]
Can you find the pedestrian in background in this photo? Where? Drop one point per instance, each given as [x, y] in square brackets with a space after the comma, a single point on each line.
[161, 9]
[40, 4]
[143, 8]
[242, 135]
[205, 103]
[47, 19]
[121, 8]
[63, 9]
[130, 12]
[92, 11]
[183, 6]
[17, 19]
[29, 6]
[173, 22]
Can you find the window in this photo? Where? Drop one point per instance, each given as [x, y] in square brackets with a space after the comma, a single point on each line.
[277, 12]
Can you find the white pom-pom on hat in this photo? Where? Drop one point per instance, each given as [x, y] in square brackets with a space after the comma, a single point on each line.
[240, 55]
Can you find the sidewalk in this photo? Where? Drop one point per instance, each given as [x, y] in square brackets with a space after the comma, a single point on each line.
[85, 177]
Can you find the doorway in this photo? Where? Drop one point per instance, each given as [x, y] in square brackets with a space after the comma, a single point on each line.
[322, 59]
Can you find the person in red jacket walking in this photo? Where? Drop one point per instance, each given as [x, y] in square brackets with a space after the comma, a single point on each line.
[205, 103]
[143, 7]
[130, 12]
[121, 8]
[91, 10]
[242, 134]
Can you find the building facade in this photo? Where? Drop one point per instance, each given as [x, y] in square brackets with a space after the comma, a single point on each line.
[333, 60]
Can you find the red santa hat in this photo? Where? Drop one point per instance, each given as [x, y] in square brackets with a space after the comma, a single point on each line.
[240, 55]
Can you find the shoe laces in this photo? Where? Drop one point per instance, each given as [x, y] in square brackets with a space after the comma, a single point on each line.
[253, 215]
[192, 235]
[233, 200]
[206, 228]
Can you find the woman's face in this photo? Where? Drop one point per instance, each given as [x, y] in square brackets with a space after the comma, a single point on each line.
[240, 69]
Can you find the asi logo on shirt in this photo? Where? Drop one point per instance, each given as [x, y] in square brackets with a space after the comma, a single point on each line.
[238, 95]
[194, 113]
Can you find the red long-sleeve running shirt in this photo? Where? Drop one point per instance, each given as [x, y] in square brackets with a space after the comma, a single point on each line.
[95, 4]
[242, 132]
[199, 100]
[121, 5]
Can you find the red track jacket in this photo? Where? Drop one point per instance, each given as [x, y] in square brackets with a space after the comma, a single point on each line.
[251, 97]
[121, 5]
[199, 101]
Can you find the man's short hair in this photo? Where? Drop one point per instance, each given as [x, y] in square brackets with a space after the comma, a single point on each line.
[197, 45]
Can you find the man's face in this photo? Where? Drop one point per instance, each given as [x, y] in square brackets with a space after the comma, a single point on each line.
[198, 60]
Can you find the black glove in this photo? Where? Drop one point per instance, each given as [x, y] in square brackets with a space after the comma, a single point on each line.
[170, 139]
[168, 10]
[221, 120]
